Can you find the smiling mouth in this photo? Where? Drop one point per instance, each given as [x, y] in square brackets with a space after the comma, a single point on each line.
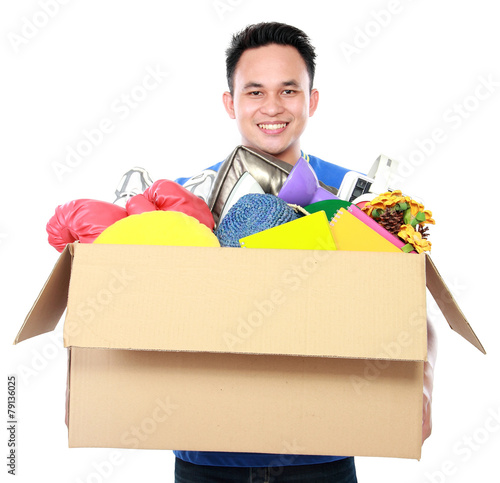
[273, 128]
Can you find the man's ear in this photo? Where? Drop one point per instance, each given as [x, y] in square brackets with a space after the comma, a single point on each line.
[313, 101]
[227, 99]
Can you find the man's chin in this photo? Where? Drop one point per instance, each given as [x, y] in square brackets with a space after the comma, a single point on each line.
[268, 148]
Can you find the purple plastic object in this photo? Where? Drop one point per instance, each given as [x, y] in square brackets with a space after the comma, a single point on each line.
[302, 186]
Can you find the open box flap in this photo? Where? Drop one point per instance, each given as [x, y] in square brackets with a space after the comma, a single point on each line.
[449, 306]
[255, 301]
[51, 302]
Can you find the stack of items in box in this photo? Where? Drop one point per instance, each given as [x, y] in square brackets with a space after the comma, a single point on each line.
[390, 222]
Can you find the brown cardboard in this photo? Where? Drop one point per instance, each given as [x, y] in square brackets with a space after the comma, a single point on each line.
[221, 402]
[217, 296]
[51, 302]
[222, 349]
[448, 305]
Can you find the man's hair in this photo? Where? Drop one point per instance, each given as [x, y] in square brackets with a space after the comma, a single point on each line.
[265, 33]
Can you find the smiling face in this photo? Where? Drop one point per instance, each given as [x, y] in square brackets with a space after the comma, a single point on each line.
[271, 100]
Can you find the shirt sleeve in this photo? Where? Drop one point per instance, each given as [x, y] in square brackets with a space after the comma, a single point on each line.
[201, 184]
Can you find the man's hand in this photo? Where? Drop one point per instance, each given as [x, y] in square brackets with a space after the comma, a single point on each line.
[429, 381]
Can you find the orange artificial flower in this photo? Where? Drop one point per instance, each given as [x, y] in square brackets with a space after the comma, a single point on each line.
[428, 218]
[384, 201]
[415, 207]
[409, 235]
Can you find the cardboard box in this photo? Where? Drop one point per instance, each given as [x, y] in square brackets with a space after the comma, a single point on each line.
[247, 350]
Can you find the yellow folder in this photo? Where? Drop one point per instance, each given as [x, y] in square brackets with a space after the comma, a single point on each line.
[350, 233]
[311, 232]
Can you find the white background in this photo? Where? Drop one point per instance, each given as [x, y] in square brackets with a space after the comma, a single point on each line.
[387, 81]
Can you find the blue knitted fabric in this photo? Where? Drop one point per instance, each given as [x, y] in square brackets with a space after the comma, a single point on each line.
[251, 214]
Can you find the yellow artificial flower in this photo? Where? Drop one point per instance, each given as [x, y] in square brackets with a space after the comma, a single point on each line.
[395, 197]
[415, 207]
[409, 235]
[369, 207]
[428, 218]
[383, 201]
[392, 198]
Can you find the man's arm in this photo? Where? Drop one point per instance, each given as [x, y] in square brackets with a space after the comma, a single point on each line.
[429, 380]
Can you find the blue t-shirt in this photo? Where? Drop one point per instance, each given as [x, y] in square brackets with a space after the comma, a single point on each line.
[201, 184]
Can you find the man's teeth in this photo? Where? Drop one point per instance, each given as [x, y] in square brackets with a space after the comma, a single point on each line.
[273, 126]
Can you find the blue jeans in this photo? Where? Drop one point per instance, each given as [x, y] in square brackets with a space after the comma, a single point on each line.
[341, 471]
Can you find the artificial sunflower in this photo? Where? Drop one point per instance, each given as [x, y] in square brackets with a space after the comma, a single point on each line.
[414, 238]
[402, 216]
[428, 218]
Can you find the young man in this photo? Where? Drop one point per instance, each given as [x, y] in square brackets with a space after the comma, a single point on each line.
[270, 73]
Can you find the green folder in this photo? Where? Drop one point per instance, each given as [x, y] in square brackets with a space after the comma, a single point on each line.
[330, 207]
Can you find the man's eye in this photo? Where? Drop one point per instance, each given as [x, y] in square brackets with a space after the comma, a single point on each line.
[255, 93]
[288, 91]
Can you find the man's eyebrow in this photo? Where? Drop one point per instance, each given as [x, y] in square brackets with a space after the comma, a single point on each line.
[291, 83]
[249, 85]
[258, 85]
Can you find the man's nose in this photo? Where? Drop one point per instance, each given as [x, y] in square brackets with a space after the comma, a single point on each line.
[273, 105]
